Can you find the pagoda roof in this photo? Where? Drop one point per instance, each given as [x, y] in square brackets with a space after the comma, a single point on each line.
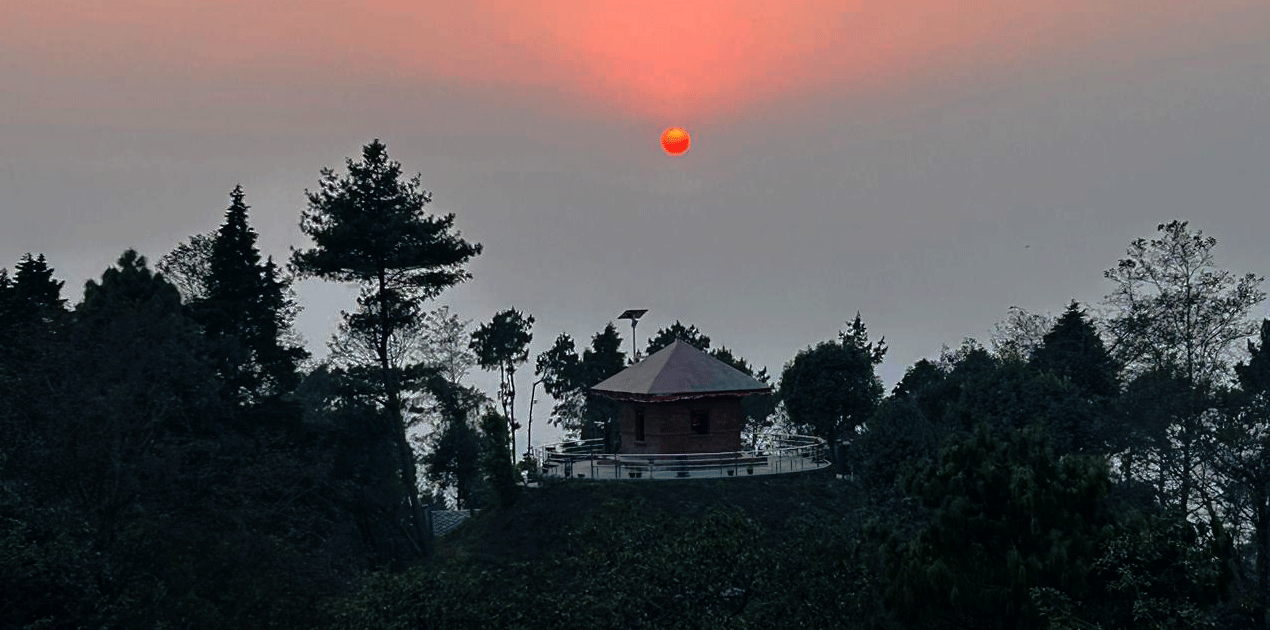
[679, 371]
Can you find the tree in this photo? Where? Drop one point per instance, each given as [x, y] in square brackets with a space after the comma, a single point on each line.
[560, 370]
[918, 377]
[832, 388]
[856, 335]
[1242, 454]
[1015, 338]
[454, 459]
[32, 314]
[567, 378]
[496, 458]
[189, 265]
[370, 228]
[1005, 517]
[244, 313]
[1178, 315]
[1176, 310]
[502, 345]
[1017, 537]
[897, 437]
[1072, 350]
[445, 344]
[688, 334]
[603, 359]
[440, 344]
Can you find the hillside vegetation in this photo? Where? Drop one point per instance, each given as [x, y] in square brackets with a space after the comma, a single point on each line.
[994, 534]
[584, 554]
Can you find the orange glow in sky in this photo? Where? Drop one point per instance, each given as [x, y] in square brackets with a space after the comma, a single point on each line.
[653, 59]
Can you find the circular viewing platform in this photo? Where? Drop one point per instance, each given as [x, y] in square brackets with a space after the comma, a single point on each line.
[776, 455]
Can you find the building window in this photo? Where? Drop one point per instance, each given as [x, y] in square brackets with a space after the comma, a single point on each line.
[701, 421]
[639, 425]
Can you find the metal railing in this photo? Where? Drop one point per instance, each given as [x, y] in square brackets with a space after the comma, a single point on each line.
[776, 454]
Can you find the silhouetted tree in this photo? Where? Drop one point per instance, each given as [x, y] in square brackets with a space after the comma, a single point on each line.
[1073, 351]
[189, 265]
[244, 314]
[453, 461]
[567, 378]
[857, 335]
[370, 228]
[1179, 315]
[496, 460]
[502, 345]
[831, 388]
[1242, 454]
[687, 334]
[1175, 310]
[1015, 338]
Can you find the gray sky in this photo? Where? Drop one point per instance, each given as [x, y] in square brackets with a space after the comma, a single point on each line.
[927, 166]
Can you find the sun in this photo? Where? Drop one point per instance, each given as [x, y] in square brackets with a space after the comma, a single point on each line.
[675, 140]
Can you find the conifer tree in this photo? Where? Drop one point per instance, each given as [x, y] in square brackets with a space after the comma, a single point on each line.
[245, 313]
[1072, 350]
[370, 228]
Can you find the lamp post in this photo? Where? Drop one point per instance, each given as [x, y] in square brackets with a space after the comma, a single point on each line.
[633, 314]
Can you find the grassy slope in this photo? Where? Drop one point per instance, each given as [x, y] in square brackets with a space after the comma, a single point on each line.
[539, 523]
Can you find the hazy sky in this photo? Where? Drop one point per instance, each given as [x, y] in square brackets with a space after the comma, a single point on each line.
[928, 163]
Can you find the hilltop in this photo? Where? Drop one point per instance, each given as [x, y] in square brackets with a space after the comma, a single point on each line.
[539, 523]
[763, 552]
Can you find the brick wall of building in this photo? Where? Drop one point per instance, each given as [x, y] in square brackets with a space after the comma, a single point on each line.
[668, 426]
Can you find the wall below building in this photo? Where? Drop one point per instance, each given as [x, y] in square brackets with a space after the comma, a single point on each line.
[668, 426]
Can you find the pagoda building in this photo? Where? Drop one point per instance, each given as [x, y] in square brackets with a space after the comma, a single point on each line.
[680, 400]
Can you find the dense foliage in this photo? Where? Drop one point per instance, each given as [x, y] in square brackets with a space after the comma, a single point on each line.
[168, 460]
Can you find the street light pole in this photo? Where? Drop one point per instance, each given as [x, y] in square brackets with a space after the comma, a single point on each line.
[633, 314]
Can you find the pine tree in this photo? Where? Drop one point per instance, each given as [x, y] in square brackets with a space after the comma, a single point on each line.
[31, 297]
[370, 228]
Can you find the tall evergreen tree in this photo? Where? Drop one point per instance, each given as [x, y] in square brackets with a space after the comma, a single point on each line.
[244, 313]
[1073, 350]
[857, 335]
[370, 228]
[603, 359]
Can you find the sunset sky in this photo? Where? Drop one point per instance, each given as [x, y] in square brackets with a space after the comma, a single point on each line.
[928, 163]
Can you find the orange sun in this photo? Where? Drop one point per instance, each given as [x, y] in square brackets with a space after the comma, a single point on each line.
[675, 140]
